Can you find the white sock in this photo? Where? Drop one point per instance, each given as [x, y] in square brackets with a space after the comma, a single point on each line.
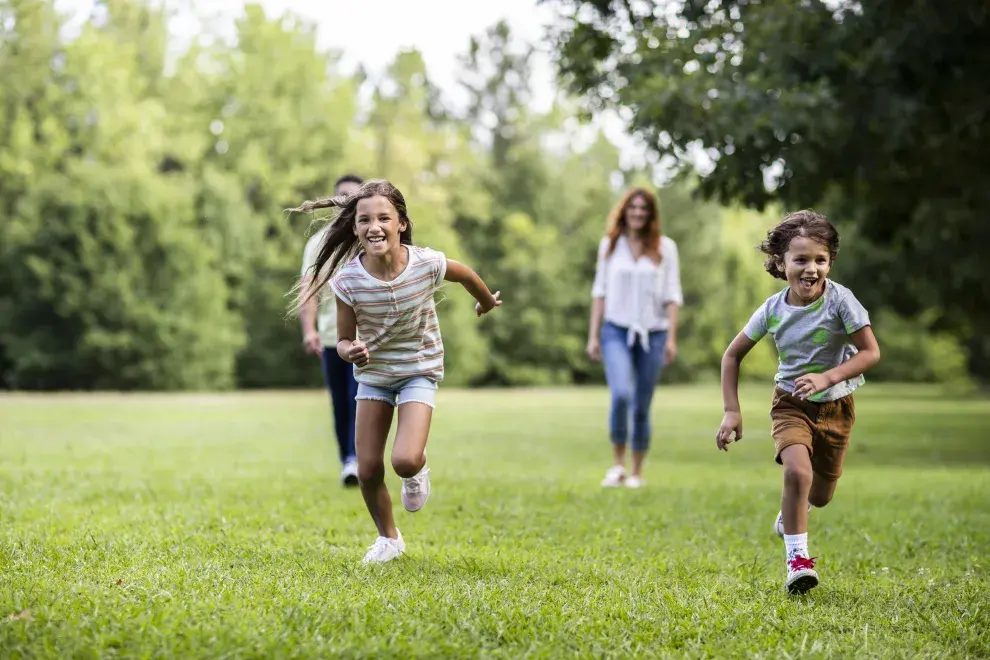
[797, 544]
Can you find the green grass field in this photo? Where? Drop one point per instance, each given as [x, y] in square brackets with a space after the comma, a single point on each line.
[215, 526]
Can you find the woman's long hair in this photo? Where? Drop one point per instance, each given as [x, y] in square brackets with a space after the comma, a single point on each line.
[651, 233]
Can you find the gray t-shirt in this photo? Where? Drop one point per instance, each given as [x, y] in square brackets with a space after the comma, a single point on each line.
[811, 339]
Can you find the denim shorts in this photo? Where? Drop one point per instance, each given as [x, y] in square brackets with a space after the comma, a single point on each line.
[418, 389]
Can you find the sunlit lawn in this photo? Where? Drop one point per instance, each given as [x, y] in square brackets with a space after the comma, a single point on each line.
[214, 526]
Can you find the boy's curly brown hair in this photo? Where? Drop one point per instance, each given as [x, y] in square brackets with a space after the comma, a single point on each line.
[800, 223]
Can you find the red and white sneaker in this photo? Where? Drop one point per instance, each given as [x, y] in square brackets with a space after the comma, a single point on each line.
[801, 575]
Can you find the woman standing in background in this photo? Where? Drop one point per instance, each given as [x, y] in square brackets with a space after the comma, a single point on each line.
[633, 328]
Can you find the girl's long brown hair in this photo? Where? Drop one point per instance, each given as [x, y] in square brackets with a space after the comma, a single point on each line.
[341, 244]
[651, 232]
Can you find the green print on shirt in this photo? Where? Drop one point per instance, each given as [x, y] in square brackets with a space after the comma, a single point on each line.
[817, 305]
[773, 323]
[820, 337]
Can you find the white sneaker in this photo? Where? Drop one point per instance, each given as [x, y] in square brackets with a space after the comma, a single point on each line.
[801, 575]
[385, 549]
[632, 481]
[416, 490]
[778, 524]
[349, 473]
[614, 476]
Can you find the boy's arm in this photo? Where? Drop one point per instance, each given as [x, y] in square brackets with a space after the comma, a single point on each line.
[731, 360]
[869, 354]
[470, 280]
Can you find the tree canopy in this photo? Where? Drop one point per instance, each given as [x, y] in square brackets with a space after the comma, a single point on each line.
[876, 112]
[144, 242]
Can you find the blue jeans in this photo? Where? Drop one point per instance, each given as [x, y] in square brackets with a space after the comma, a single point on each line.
[632, 374]
[339, 376]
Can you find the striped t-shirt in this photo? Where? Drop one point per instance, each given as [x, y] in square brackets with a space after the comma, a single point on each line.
[397, 320]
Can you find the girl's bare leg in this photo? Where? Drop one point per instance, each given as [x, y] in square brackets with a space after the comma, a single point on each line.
[374, 419]
[409, 451]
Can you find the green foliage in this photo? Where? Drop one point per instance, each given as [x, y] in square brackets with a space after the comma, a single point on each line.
[107, 283]
[113, 289]
[144, 241]
[908, 355]
[875, 112]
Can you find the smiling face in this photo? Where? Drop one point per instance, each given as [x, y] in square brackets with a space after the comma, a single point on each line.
[806, 265]
[637, 214]
[377, 226]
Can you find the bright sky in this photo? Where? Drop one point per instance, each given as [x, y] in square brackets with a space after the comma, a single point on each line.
[371, 32]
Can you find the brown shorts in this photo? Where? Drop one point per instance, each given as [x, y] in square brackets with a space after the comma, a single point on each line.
[823, 428]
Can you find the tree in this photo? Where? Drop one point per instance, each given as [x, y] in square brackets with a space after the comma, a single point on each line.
[529, 216]
[105, 283]
[875, 112]
[263, 125]
[409, 140]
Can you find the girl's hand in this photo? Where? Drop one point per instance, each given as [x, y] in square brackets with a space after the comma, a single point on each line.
[358, 353]
[809, 384]
[479, 310]
[732, 422]
[594, 349]
[670, 351]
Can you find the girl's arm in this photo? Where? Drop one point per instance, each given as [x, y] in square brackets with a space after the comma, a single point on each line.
[731, 360]
[349, 347]
[867, 357]
[466, 277]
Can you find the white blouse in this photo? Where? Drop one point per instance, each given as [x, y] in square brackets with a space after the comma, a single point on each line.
[637, 290]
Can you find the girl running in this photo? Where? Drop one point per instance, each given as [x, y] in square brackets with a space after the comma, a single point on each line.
[825, 343]
[387, 327]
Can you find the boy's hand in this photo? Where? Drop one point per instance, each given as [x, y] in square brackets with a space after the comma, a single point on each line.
[358, 353]
[479, 310]
[809, 384]
[731, 422]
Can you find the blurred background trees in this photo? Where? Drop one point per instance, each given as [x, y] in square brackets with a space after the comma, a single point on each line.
[875, 113]
[144, 242]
